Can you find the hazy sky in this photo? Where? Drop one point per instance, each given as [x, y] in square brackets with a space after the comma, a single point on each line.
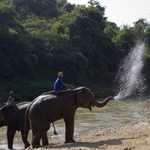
[123, 11]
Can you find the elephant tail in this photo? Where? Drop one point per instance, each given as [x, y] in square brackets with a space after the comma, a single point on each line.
[26, 120]
[55, 133]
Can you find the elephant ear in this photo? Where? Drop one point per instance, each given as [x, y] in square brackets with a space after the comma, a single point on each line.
[80, 98]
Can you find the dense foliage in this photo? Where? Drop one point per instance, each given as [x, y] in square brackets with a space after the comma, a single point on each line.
[38, 38]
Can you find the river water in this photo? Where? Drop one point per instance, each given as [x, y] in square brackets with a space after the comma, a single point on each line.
[115, 113]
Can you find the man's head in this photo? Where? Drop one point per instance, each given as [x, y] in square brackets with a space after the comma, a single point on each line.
[60, 74]
[11, 93]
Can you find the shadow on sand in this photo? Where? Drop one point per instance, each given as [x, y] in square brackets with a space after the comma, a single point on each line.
[98, 144]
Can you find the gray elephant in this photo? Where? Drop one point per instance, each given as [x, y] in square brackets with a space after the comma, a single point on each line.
[50, 107]
[14, 117]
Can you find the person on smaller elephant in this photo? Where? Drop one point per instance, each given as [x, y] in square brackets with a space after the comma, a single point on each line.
[59, 87]
[9, 103]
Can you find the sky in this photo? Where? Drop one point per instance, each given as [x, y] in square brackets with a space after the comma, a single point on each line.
[123, 12]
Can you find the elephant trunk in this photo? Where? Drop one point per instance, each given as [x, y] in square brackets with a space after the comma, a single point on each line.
[103, 103]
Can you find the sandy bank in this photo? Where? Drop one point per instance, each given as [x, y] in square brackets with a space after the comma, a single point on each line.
[132, 136]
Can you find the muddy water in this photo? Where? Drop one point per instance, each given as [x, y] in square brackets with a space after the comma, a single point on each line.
[115, 113]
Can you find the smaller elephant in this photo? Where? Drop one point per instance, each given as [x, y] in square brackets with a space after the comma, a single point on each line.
[50, 107]
[14, 117]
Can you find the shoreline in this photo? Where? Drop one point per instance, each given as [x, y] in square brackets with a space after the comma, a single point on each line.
[131, 136]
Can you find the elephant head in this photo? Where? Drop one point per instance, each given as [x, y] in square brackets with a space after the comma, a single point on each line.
[86, 99]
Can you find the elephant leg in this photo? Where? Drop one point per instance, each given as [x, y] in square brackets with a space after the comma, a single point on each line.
[10, 137]
[69, 123]
[34, 131]
[42, 129]
[45, 139]
[24, 139]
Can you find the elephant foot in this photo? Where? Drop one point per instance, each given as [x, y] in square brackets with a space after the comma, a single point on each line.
[45, 144]
[36, 146]
[27, 145]
[73, 141]
[70, 141]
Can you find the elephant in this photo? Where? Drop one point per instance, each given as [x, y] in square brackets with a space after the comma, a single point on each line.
[50, 107]
[14, 117]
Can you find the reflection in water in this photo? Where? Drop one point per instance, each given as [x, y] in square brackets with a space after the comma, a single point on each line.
[114, 113]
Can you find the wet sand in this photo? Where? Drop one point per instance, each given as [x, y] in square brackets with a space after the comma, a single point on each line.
[132, 136]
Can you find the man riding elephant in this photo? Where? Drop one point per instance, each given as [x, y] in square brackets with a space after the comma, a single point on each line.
[9, 103]
[59, 87]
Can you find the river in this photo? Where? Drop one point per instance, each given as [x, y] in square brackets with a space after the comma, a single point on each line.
[115, 113]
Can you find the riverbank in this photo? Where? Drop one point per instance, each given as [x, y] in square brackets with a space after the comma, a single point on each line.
[132, 136]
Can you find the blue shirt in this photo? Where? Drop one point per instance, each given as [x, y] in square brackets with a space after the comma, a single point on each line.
[59, 84]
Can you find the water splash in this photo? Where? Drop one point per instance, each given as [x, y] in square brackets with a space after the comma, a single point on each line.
[130, 79]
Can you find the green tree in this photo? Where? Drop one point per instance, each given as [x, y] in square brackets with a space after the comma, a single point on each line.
[140, 27]
[40, 8]
[87, 36]
[16, 49]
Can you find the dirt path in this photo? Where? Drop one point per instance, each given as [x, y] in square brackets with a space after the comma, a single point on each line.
[133, 136]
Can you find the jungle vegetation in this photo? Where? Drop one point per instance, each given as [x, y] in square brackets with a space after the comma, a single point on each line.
[38, 38]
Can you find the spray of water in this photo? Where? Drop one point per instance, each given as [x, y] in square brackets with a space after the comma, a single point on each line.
[130, 79]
